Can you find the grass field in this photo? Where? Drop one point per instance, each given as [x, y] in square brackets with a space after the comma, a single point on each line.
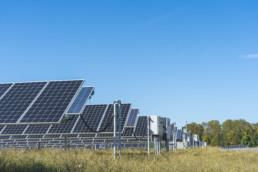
[198, 159]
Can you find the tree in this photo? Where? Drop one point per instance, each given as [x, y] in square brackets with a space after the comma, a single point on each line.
[212, 133]
[195, 128]
[246, 139]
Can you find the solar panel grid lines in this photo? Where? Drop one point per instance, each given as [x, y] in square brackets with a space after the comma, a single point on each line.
[75, 124]
[101, 120]
[132, 118]
[37, 129]
[18, 121]
[4, 88]
[80, 101]
[17, 100]
[92, 114]
[13, 129]
[63, 127]
[52, 136]
[2, 127]
[25, 129]
[53, 103]
[141, 127]
[109, 115]
[35, 136]
[128, 132]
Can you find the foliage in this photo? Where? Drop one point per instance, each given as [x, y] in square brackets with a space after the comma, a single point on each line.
[195, 159]
[231, 132]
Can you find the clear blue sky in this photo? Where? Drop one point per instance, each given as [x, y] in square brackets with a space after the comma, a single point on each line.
[190, 61]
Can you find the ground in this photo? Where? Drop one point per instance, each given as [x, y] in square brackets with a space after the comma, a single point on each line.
[194, 159]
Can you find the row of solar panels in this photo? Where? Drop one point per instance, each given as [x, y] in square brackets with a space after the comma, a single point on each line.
[97, 116]
[52, 109]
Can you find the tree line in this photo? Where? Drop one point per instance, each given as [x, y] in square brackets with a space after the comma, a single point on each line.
[230, 132]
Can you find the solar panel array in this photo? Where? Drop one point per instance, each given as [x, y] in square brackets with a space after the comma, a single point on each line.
[47, 111]
[36, 102]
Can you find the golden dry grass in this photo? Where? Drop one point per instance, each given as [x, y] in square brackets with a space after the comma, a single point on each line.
[199, 159]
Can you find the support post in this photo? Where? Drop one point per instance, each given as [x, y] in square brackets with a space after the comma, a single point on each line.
[148, 132]
[119, 127]
[114, 144]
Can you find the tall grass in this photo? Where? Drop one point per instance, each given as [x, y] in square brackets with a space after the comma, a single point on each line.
[199, 159]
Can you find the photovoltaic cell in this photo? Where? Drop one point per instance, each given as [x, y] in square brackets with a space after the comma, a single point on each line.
[52, 136]
[63, 127]
[17, 100]
[35, 136]
[18, 137]
[14, 129]
[80, 100]
[37, 129]
[4, 88]
[141, 126]
[52, 103]
[132, 117]
[92, 115]
[108, 116]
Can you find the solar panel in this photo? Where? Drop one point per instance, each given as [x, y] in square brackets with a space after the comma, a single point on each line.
[108, 116]
[63, 127]
[37, 129]
[128, 132]
[141, 126]
[53, 102]
[14, 129]
[17, 100]
[4, 88]
[81, 100]
[132, 117]
[92, 115]
[179, 134]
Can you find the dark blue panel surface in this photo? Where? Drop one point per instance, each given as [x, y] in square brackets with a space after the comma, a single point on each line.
[14, 129]
[109, 114]
[132, 117]
[52, 136]
[37, 129]
[92, 115]
[63, 127]
[128, 132]
[35, 136]
[17, 100]
[4, 88]
[52, 103]
[18, 137]
[80, 100]
[179, 134]
[141, 126]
